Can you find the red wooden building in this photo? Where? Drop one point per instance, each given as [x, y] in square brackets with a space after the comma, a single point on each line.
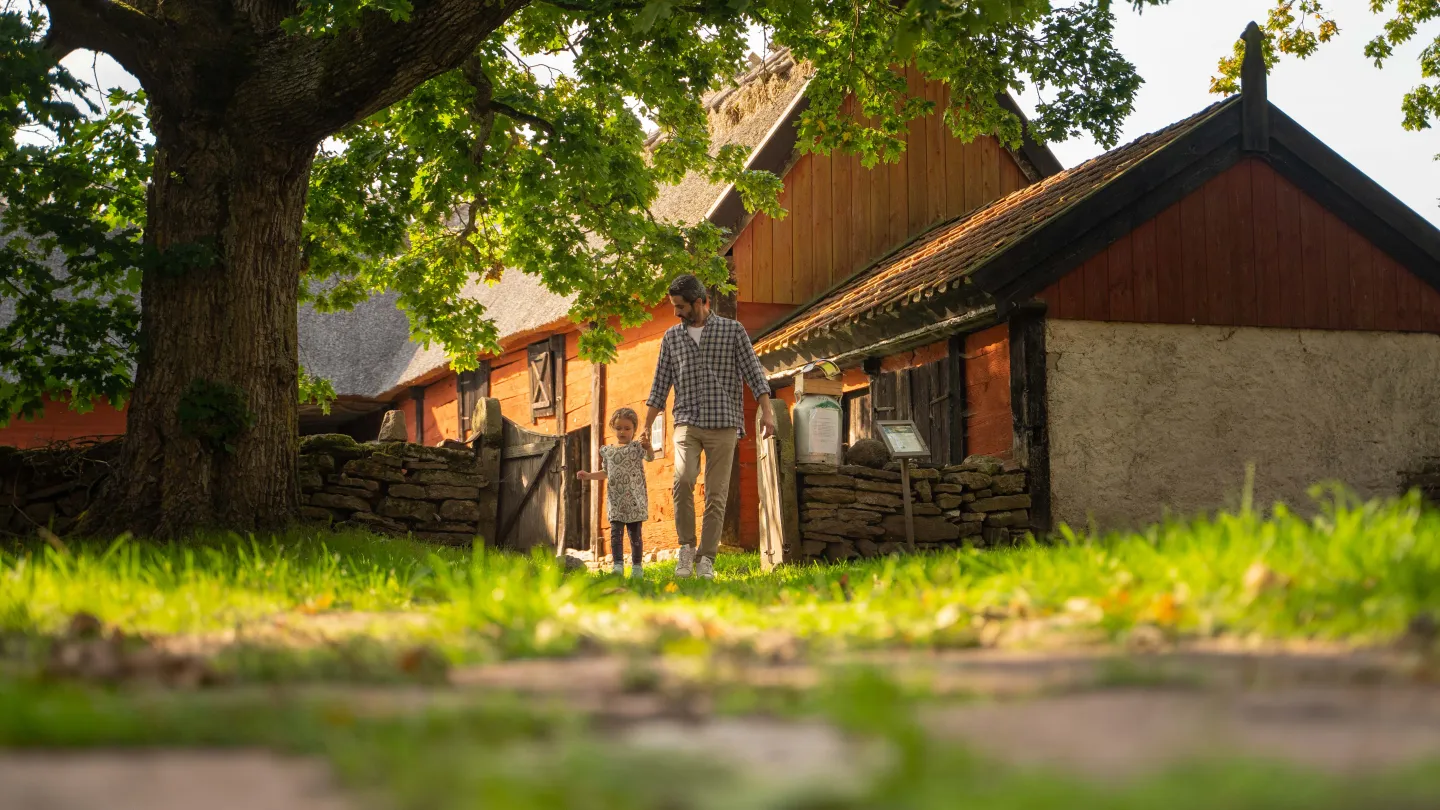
[1225, 292]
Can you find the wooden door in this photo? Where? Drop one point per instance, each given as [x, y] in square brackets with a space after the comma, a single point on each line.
[923, 394]
[530, 485]
[779, 509]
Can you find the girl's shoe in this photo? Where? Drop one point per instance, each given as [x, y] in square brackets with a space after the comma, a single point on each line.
[636, 572]
[619, 569]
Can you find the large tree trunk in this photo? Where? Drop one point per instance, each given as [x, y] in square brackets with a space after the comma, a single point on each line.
[211, 431]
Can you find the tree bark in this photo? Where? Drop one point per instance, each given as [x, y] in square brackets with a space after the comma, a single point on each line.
[218, 307]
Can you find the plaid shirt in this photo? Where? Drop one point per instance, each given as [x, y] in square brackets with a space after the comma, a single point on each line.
[707, 377]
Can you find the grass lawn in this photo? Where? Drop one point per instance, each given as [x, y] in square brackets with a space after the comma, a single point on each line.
[1359, 573]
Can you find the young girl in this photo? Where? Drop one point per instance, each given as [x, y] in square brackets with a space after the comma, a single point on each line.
[623, 465]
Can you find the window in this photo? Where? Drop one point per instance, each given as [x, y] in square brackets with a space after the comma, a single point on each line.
[471, 388]
[542, 380]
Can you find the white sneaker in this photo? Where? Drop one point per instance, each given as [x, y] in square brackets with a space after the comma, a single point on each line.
[685, 566]
[619, 569]
[707, 568]
[636, 572]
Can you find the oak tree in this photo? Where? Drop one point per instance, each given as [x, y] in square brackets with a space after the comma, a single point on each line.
[155, 246]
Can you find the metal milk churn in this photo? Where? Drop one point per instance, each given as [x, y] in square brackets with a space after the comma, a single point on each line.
[818, 425]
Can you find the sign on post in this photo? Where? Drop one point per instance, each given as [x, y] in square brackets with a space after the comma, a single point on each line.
[904, 442]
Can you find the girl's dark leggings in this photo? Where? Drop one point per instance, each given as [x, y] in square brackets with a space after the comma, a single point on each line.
[617, 541]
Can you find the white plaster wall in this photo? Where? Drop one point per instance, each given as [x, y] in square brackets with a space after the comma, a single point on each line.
[1148, 418]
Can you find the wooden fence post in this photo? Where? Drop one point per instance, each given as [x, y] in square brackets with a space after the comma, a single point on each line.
[488, 425]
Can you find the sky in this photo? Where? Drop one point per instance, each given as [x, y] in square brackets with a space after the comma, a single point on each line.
[1338, 94]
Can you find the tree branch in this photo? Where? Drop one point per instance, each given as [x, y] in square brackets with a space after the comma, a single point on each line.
[312, 87]
[122, 31]
[533, 120]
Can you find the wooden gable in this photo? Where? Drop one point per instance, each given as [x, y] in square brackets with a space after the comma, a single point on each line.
[1247, 248]
[842, 216]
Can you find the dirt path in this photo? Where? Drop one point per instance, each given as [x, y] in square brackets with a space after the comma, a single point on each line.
[164, 780]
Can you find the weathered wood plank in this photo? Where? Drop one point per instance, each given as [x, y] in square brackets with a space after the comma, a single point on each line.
[1362, 280]
[1242, 245]
[1268, 282]
[1220, 282]
[935, 153]
[762, 266]
[1097, 287]
[802, 232]
[1145, 269]
[1193, 239]
[1120, 273]
[1312, 262]
[822, 245]
[782, 269]
[1340, 311]
[744, 253]
[1290, 264]
[916, 158]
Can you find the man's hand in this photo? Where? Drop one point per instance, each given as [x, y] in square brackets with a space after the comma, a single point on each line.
[767, 423]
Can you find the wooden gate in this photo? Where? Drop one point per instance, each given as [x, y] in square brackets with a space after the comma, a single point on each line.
[779, 509]
[538, 497]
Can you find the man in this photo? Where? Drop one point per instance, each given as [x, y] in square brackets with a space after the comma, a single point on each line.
[704, 358]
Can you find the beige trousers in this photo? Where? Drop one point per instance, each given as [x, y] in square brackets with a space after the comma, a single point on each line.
[718, 445]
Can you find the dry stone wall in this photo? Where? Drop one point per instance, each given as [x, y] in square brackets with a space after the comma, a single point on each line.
[50, 487]
[398, 488]
[857, 511]
[431, 493]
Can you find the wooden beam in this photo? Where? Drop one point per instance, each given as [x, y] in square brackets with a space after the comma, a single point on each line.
[557, 360]
[1028, 408]
[597, 438]
[417, 395]
[1254, 104]
[957, 398]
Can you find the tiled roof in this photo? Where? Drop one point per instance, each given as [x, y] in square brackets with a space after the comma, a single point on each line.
[943, 256]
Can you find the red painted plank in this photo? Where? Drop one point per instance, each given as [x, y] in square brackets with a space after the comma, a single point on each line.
[1146, 271]
[782, 273]
[1121, 279]
[763, 264]
[1290, 261]
[899, 203]
[1219, 273]
[802, 233]
[1193, 239]
[822, 192]
[1170, 266]
[916, 157]
[1312, 262]
[744, 252]
[1408, 307]
[1340, 311]
[842, 202]
[1387, 315]
[1242, 244]
[1269, 290]
[1362, 280]
[935, 133]
[1097, 287]
[955, 200]
[974, 175]
[990, 181]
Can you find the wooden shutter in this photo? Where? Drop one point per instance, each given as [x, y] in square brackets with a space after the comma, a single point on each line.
[471, 388]
[542, 380]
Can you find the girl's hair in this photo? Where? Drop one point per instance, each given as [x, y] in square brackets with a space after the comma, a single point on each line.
[625, 414]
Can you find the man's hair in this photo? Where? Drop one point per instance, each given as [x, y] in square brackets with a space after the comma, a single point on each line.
[689, 288]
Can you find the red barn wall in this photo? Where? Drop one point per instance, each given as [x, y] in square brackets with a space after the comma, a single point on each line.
[1247, 249]
[59, 423]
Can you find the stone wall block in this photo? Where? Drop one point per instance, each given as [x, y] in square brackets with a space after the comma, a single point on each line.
[374, 470]
[406, 509]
